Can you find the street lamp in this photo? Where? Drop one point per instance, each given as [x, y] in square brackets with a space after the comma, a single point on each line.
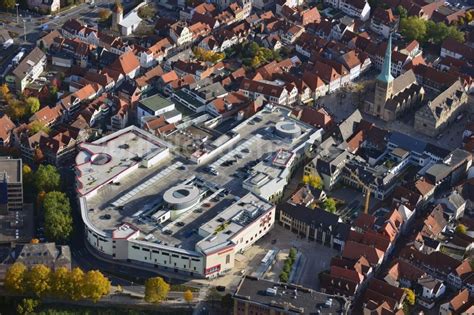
[17, 18]
[24, 28]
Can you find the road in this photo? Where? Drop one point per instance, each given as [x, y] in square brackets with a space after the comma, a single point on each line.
[31, 24]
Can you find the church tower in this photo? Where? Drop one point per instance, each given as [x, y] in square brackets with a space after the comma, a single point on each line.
[117, 16]
[384, 82]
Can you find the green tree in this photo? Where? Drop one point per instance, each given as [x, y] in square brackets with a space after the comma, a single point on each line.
[95, 285]
[253, 48]
[33, 104]
[53, 93]
[284, 277]
[57, 216]
[402, 12]
[156, 290]
[27, 306]
[293, 253]
[14, 278]
[37, 279]
[330, 205]
[146, 12]
[410, 296]
[455, 34]
[413, 28]
[37, 126]
[188, 296]
[47, 178]
[16, 109]
[461, 229]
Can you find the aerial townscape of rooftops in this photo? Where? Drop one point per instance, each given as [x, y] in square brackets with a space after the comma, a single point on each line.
[243, 157]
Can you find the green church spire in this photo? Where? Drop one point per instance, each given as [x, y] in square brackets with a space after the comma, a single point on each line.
[386, 75]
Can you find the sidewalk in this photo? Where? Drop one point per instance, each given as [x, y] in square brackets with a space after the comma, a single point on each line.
[120, 300]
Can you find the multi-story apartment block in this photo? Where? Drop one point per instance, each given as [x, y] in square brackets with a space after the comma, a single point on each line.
[29, 69]
[355, 8]
[11, 185]
[383, 22]
[275, 92]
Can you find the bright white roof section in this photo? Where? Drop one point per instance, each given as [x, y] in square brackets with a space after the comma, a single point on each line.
[130, 19]
[125, 231]
[223, 230]
[103, 160]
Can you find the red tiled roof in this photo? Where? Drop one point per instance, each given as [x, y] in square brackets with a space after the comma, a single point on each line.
[364, 221]
[371, 238]
[353, 250]
[355, 141]
[401, 269]
[407, 197]
[47, 115]
[463, 269]
[316, 117]
[344, 273]
[458, 48]
[6, 127]
[461, 301]
[126, 63]
[169, 77]
[335, 285]
[384, 16]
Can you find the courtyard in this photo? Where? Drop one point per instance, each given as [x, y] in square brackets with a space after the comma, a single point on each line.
[314, 258]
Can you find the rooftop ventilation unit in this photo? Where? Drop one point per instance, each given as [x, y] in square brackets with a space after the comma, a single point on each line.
[271, 291]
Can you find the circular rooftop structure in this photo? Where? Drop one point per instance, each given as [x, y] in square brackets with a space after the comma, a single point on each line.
[100, 158]
[288, 129]
[182, 196]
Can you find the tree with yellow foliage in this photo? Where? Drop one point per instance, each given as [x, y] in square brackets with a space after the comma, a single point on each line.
[4, 91]
[74, 284]
[461, 229]
[27, 173]
[314, 181]
[37, 279]
[60, 282]
[188, 296]
[207, 55]
[14, 278]
[156, 290]
[410, 296]
[95, 285]
[104, 14]
[16, 109]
